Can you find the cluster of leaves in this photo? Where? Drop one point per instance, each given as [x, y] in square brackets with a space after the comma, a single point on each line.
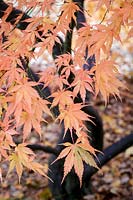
[21, 107]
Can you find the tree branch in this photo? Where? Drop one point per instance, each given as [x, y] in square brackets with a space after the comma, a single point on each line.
[109, 153]
[80, 14]
[46, 149]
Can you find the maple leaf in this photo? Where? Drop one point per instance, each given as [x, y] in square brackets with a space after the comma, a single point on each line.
[52, 79]
[106, 80]
[75, 155]
[47, 76]
[102, 39]
[12, 75]
[19, 43]
[67, 14]
[84, 34]
[65, 60]
[62, 97]
[6, 140]
[61, 81]
[27, 107]
[123, 13]
[5, 62]
[82, 82]
[34, 118]
[24, 93]
[40, 106]
[48, 42]
[69, 9]
[24, 157]
[73, 116]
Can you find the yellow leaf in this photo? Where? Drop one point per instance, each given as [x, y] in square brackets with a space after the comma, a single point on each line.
[15, 162]
[75, 155]
[24, 157]
[87, 157]
[78, 165]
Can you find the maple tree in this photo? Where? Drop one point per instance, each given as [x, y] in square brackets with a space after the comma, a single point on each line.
[22, 99]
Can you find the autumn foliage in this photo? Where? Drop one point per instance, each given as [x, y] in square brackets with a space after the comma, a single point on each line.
[21, 106]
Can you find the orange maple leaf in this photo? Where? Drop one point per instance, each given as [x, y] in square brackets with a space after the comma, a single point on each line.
[62, 98]
[82, 82]
[47, 76]
[102, 39]
[6, 133]
[67, 14]
[34, 119]
[73, 116]
[84, 34]
[12, 75]
[69, 9]
[6, 140]
[65, 60]
[26, 107]
[24, 93]
[48, 42]
[106, 80]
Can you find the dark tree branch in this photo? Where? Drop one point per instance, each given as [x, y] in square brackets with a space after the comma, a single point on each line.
[46, 149]
[115, 149]
[109, 153]
[80, 14]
